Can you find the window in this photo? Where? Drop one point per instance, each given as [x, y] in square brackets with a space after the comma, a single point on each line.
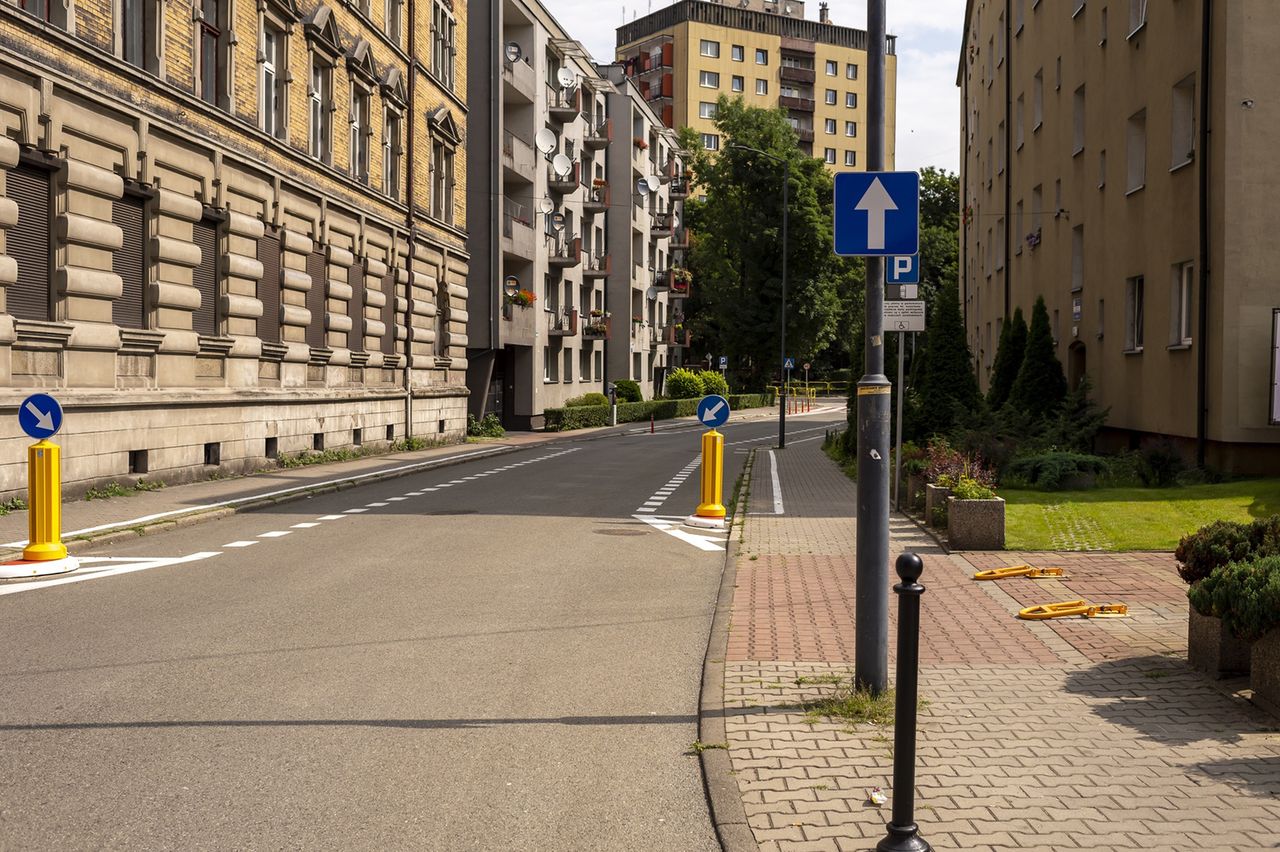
[268, 290]
[391, 151]
[584, 365]
[1077, 6]
[550, 373]
[736, 83]
[833, 67]
[1000, 44]
[1017, 122]
[128, 310]
[762, 56]
[53, 11]
[1181, 312]
[28, 242]
[708, 79]
[393, 19]
[1184, 132]
[762, 87]
[1137, 151]
[851, 71]
[1102, 168]
[1057, 75]
[830, 97]
[443, 45]
[851, 128]
[1000, 244]
[360, 132]
[1077, 103]
[737, 53]
[1017, 228]
[851, 100]
[711, 141]
[1102, 27]
[829, 126]
[1019, 15]
[211, 37]
[850, 158]
[1137, 16]
[442, 182]
[1037, 207]
[709, 48]
[568, 365]
[138, 29]
[1133, 314]
[318, 272]
[1077, 258]
[706, 110]
[829, 156]
[320, 106]
[1000, 148]
[272, 78]
[1101, 316]
[598, 370]
[204, 319]
[1037, 101]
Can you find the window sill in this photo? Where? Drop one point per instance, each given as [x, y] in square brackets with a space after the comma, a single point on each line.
[1078, 11]
[1178, 347]
[1142, 26]
[1036, 128]
[1135, 190]
[1137, 351]
[1078, 151]
[1177, 167]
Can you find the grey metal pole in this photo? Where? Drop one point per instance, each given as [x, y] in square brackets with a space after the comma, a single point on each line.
[782, 355]
[897, 453]
[871, 605]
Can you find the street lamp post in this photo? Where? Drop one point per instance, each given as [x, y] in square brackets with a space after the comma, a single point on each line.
[782, 345]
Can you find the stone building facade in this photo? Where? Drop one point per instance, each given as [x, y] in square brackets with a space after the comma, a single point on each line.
[231, 230]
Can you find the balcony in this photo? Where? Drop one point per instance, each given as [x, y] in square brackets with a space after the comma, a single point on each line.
[791, 44]
[518, 325]
[662, 225]
[800, 104]
[597, 326]
[679, 188]
[676, 335]
[563, 184]
[520, 83]
[654, 337]
[662, 278]
[794, 74]
[517, 157]
[599, 136]
[597, 198]
[562, 322]
[564, 104]
[564, 253]
[596, 265]
[804, 134]
[517, 232]
[681, 239]
[679, 289]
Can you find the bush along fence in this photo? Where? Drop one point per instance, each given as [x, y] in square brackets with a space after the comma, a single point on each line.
[590, 416]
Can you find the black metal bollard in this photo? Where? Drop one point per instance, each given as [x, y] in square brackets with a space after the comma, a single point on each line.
[904, 834]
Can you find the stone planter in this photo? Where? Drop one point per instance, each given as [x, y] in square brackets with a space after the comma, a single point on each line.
[935, 497]
[1264, 672]
[975, 524]
[1212, 649]
[915, 490]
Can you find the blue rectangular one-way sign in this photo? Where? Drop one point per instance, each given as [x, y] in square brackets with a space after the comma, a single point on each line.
[877, 214]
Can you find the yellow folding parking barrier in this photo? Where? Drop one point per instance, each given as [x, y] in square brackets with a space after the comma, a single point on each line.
[1019, 571]
[1065, 609]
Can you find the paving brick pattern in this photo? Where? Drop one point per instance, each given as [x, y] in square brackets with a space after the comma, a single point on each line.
[1065, 734]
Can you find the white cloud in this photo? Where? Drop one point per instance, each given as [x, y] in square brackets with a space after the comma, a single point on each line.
[928, 34]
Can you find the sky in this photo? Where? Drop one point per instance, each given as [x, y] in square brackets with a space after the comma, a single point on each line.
[928, 32]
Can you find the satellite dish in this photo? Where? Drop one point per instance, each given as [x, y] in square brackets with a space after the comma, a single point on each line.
[565, 78]
[642, 187]
[561, 165]
[511, 285]
[513, 52]
[655, 182]
[651, 293]
[545, 206]
[557, 221]
[545, 140]
[675, 219]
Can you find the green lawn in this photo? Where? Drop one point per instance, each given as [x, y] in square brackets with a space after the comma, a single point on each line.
[1130, 518]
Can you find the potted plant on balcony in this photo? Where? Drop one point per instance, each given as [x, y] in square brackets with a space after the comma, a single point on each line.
[640, 143]
[522, 298]
[599, 183]
[682, 276]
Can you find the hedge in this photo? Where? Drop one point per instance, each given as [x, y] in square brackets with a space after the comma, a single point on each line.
[590, 416]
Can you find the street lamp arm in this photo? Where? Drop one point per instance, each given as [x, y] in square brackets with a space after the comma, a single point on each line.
[774, 157]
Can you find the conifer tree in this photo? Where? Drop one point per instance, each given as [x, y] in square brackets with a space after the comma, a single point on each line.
[947, 390]
[1012, 349]
[1040, 386]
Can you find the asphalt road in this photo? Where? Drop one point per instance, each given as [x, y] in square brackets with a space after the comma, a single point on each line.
[497, 655]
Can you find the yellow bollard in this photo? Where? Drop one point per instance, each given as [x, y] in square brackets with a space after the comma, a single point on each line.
[44, 499]
[712, 476]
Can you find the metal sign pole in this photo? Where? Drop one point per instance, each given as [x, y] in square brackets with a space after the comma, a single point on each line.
[897, 455]
[871, 610]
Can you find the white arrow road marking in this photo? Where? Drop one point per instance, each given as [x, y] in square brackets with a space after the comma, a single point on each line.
[710, 413]
[44, 421]
[710, 543]
[875, 202]
[95, 567]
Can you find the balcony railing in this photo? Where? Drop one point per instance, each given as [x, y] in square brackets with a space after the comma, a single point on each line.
[677, 335]
[599, 136]
[517, 156]
[565, 251]
[793, 74]
[662, 278]
[597, 199]
[662, 225]
[596, 265]
[679, 187]
[563, 184]
[801, 104]
[562, 322]
[804, 134]
[519, 78]
[517, 232]
[681, 239]
[680, 289]
[564, 104]
[597, 327]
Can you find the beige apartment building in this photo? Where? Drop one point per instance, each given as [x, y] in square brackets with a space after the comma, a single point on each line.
[1119, 161]
[683, 57]
[231, 230]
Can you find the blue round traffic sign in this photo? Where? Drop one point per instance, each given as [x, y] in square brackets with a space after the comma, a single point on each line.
[713, 411]
[40, 416]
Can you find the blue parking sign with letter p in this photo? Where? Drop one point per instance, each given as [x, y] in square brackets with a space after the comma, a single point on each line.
[904, 269]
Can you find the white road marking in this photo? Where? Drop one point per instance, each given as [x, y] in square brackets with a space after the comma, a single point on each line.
[330, 517]
[413, 494]
[274, 534]
[240, 544]
[710, 543]
[96, 567]
[354, 511]
[305, 525]
[396, 499]
[777, 483]
[376, 505]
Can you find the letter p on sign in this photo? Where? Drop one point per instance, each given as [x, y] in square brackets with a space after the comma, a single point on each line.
[904, 270]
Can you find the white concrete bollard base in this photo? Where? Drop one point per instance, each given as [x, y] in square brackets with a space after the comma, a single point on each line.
[43, 568]
[704, 523]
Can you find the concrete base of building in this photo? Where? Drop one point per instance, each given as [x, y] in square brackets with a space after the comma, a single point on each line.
[1241, 458]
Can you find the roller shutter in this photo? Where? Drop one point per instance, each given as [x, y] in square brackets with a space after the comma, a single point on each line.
[205, 277]
[269, 288]
[28, 243]
[128, 262]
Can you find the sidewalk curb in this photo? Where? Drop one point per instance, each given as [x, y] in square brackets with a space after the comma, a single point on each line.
[728, 814]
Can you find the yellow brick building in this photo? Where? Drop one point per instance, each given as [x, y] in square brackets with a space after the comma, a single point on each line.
[685, 56]
[231, 230]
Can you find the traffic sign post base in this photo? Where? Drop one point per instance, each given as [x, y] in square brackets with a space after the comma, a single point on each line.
[27, 568]
[44, 503]
[712, 506]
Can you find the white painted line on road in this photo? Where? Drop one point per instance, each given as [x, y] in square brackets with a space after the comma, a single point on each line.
[396, 499]
[425, 490]
[776, 483]
[643, 509]
[413, 494]
[305, 525]
[240, 544]
[698, 540]
[96, 567]
[376, 505]
[354, 511]
[275, 534]
[330, 517]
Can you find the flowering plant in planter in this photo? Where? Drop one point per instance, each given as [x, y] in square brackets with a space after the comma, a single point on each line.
[640, 143]
[596, 312]
[599, 183]
[523, 298]
[637, 320]
[682, 275]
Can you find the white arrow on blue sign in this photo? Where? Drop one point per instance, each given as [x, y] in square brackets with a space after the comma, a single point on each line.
[713, 411]
[877, 214]
[40, 416]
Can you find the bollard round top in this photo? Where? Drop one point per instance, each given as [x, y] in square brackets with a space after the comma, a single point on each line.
[910, 566]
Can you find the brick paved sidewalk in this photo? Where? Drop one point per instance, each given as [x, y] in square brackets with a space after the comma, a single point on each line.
[1037, 735]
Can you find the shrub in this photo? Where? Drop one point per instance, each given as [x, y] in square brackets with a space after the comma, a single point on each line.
[1040, 386]
[946, 461]
[1221, 542]
[489, 427]
[683, 384]
[1009, 354]
[1159, 464]
[628, 390]
[968, 488]
[713, 382]
[1245, 595]
[593, 398]
[1048, 471]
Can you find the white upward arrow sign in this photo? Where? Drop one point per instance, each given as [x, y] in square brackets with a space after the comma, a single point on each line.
[44, 421]
[875, 202]
[707, 416]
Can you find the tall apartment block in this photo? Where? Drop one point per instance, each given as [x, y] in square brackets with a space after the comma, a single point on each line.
[1119, 161]
[548, 219]
[231, 230]
[683, 57]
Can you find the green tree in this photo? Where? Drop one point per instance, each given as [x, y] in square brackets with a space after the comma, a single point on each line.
[946, 392]
[1009, 355]
[1040, 386]
[736, 257]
